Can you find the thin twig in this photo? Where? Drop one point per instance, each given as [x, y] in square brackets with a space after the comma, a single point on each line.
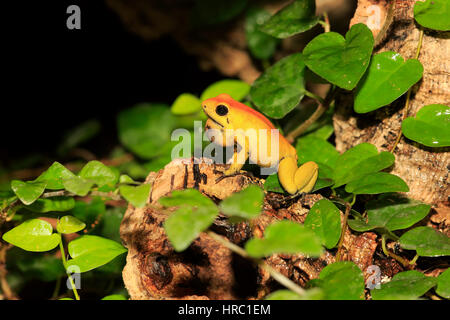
[348, 206]
[323, 105]
[388, 253]
[274, 273]
[408, 96]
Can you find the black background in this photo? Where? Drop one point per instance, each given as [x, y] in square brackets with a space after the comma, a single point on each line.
[55, 78]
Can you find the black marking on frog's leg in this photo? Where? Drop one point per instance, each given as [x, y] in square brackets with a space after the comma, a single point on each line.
[300, 195]
[228, 121]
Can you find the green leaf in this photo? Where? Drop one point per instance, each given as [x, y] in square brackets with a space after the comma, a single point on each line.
[359, 161]
[285, 237]
[207, 12]
[342, 281]
[311, 294]
[57, 204]
[126, 179]
[79, 135]
[433, 14]
[430, 127]
[281, 87]
[378, 182]
[297, 17]
[273, 184]
[338, 60]
[391, 212]
[137, 196]
[28, 191]
[325, 220]
[388, 77]
[98, 173]
[194, 215]
[145, 128]
[407, 285]
[33, 235]
[69, 224]
[443, 284]
[310, 148]
[237, 89]
[55, 175]
[78, 186]
[90, 252]
[246, 204]
[115, 297]
[261, 45]
[186, 103]
[426, 241]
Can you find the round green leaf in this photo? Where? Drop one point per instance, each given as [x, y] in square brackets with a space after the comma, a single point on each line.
[195, 211]
[55, 175]
[443, 284]
[360, 161]
[186, 103]
[246, 204]
[392, 213]
[261, 45]
[285, 237]
[33, 235]
[310, 148]
[388, 77]
[379, 182]
[281, 87]
[78, 135]
[69, 224]
[338, 60]
[145, 128]
[297, 17]
[430, 127]
[98, 173]
[78, 186]
[426, 241]
[28, 191]
[433, 14]
[90, 252]
[408, 285]
[237, 89]
[137, 196]
[325, 220]
[342, 281]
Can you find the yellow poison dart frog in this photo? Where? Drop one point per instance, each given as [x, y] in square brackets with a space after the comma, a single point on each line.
[225, 113]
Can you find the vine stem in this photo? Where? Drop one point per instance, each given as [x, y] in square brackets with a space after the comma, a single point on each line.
[402, 260]
[408, 95]
[348, 206]
[321, 108]
[63, 258]
[326, 23]
[274, 273]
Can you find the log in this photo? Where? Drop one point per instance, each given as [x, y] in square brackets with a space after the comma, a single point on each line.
[424, 169]
[207, 269]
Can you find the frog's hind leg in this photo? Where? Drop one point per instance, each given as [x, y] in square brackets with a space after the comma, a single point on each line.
[297, 180]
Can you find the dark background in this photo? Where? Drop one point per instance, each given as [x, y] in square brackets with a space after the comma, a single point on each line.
[55, 78]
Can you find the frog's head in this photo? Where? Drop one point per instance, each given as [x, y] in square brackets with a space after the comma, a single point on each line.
[219, 110]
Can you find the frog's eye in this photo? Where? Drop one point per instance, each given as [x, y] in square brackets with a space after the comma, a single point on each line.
[221, 110]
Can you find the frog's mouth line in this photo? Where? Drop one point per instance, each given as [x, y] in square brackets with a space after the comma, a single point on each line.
[215, 121]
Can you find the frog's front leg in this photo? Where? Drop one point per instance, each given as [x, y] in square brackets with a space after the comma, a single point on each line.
[297, 180]
[237, 161]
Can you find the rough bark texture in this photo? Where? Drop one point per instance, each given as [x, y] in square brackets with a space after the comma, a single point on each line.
[425, 170]
[208, 270]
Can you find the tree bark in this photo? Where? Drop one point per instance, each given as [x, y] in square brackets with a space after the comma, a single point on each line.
[425, 170]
